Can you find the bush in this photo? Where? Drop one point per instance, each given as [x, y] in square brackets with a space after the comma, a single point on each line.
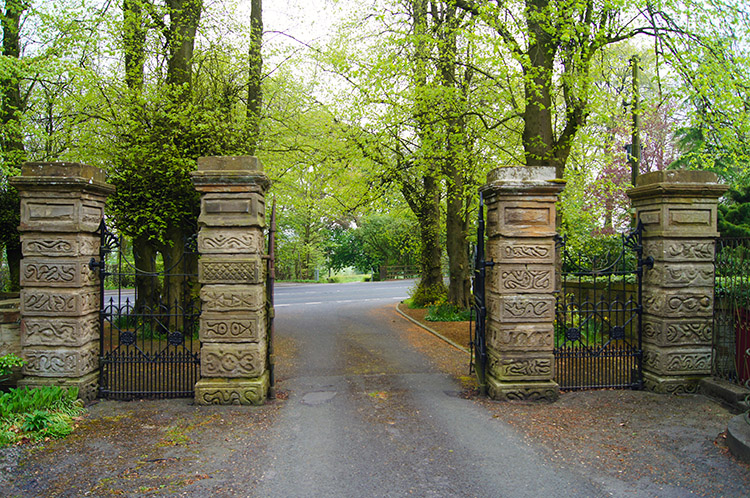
[446, 312]
[425, 296]
[7, 363]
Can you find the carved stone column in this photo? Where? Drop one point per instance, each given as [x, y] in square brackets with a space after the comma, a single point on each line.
[520, 286]
[678, 212]
[231, 272]
[62, 205]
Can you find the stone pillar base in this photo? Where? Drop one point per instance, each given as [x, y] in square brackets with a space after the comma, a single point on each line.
[87, 385]
[515, 391]
[672, 385]
[226, 391]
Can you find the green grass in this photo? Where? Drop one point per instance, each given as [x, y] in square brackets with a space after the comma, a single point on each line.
[33, 414]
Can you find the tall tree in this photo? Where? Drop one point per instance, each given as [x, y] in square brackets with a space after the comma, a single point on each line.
[13, 150]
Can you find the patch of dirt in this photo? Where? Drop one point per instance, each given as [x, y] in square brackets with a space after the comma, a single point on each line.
[664, 443]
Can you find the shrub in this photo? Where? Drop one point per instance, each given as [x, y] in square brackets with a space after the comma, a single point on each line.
[7, 363]
[446, 312]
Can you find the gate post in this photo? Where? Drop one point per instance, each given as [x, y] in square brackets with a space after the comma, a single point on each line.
[678, 212]
[231, 272]
[521, 284]
[62, 205]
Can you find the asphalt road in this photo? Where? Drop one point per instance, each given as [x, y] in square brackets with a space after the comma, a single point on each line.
[368, 415]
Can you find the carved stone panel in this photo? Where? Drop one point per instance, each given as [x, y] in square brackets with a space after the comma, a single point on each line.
[231, 270]
[61, 362]
[233, 297]
[520, 337]
[225, 327]
[680, 275]
[231, 241]
[523, 391]
[62, 302]
[526, 219]
[521, 367]
[233, 360]
[232, 391]
[678, 361]
[37, 331]
[233, 210]
[59, 245]
[521, 308]
[60, 214]
[679, 303]
[528, 251]
[521, 278]
[675, 251]
[675, 332]
[45, 272]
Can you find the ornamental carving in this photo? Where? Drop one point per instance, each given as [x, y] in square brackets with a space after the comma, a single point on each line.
[520, 338]
[525, 393]
[46, 302]
[688, 275]
[244, 395]
[231, 329]
[526, 279]
[245, 242]
[252, 299]
[682, 250]
[521, 368]
[219, 360]
[689, 362]
[60, 363]
[527, 309]
[247, 271]
[678, 305]
[59, 332]
[50, 273]
[48, 247]
[676, 333]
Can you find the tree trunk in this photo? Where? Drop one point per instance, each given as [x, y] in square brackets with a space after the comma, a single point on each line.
[184, 17]
[147, 285]
[254, 89]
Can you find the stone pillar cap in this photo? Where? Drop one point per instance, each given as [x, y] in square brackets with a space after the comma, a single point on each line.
[218, 173]
[229, 163]
[51, 174]
[523, 177]
[678, 182]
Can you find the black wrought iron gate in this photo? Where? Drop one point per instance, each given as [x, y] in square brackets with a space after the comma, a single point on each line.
[148, 321]
[479, 307]
[598, 317]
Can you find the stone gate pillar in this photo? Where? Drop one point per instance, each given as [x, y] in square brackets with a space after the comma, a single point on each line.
[231, 271]
[678, 212]
[62, 205]
[520, 286]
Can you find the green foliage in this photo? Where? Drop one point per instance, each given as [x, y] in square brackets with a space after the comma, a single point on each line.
[442, 311]
[426, 295]
[7, 363]
[37, 413]
[734, 213]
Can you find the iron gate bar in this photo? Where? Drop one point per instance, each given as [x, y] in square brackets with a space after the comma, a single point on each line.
[146, 349]
[598, 340]
[479, 343]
